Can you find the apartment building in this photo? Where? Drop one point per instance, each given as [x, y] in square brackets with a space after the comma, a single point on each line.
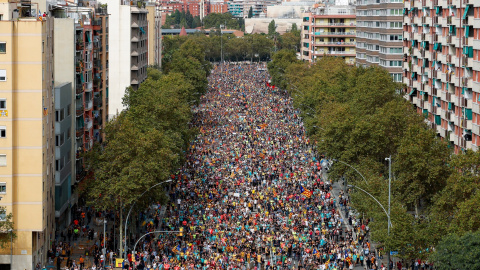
[329, 30]
[154, 19]
[442, 67]
[27, 132]
[128, 50]
[81, 67]
[380, 35]
[240, 8]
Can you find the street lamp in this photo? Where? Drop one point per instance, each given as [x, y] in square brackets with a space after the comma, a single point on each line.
[140, 238]
[129, 211]
[389, 198]
[336, 160]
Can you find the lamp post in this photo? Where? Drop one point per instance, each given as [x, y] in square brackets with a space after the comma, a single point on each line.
[140, 238]
[389, 199]
[336, 160]
[129, 211]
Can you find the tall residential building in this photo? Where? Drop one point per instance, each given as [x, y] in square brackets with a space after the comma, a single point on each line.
[442, 67]
[27, 133]
[329, 30]
[154, 19]
[80, 44]
[240, 8]
[128, 49]
[380, 35]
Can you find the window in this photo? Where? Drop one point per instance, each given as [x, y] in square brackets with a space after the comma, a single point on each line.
[68, 110]
[3, 188]
[396, 25]
[3, 214]
[3, 47]
[3, 160]
[3, 75]
[397, 77]
[3, 131]
[59, 115]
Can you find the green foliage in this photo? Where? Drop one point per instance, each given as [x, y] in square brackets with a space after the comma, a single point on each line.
[272, 29]
[458, 252]
[356, 115]
[457, 207]
[279, 65]
[7, 233]
[250, 12]
[146, 143]
[250, 47]
[214, 20]
[178, 19]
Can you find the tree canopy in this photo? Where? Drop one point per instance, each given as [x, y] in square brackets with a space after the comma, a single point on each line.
[358, 116]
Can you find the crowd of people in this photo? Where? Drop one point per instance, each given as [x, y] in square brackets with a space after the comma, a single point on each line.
[252, 194]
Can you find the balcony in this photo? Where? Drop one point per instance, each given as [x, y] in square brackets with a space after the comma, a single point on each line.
[79, 133]
[350, 44]
[89, 86]
[79, 111]
[88, 124]
[334, 33]
[88, 105]
[78, 88]
[98, 102]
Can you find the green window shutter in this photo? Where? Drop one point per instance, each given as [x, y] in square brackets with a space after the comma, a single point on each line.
[466, 12]
[450, 105]
[437, 9]
[438, 120]
[468, 114]
[412, 93]
[470, 51]
[467, 31]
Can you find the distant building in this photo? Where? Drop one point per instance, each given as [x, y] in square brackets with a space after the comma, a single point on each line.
[154, 19]
[128, 50]
[380, 35]
[241, 8]
[329, 30]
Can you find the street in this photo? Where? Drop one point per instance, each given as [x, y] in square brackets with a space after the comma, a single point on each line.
[251, 193]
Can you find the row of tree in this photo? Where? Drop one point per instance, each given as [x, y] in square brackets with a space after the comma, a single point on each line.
[213, 20]
[254, 47]
[358, 116]
[178, 19]
[146, 143]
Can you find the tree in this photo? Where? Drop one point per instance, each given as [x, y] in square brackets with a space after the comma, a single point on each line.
[7, 233]
[272, 29]
[250, 12]
[458, 252]
[279, 65]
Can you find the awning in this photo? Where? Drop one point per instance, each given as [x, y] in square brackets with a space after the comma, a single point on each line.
[405, 11]
[438, 120]
[435, 47]
[463, 90]
[437, 9]
[450, 105]
[412, 92]
[87, 35]
[143, 31]
[466, 11]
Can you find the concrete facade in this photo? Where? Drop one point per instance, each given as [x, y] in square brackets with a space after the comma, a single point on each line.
[441, 68]
[329, 30]
[28, 148]
[128, 50]
[380, 35]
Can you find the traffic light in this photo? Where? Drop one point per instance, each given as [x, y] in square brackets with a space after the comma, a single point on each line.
[181, 231]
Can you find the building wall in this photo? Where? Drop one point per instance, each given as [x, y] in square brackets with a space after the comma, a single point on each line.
[380, 36]
[331, 33]
[441, 69]
[29, 145]
[139, 46]
[260, 25]
[64, 73]
[154, 18]
[63, 152]
[119, 40]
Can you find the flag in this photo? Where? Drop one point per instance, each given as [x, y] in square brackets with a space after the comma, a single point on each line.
[305, 192]
[314, 251]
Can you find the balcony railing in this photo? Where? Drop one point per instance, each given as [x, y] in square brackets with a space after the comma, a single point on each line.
[88, 105]
[336, 43]
[335, 33]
